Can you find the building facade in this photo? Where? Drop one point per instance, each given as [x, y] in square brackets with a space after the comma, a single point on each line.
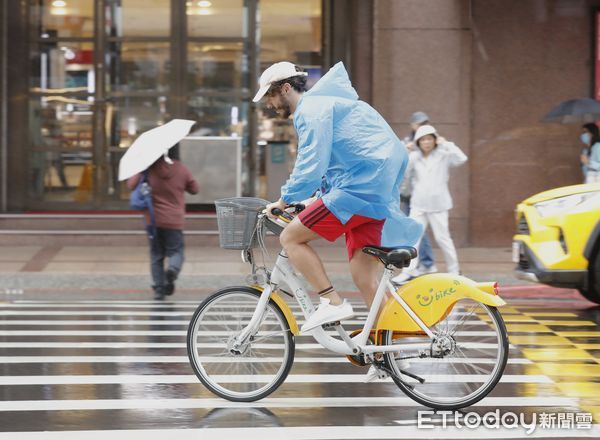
[82, 78]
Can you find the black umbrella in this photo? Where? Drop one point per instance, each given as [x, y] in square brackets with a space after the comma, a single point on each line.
[575, 111]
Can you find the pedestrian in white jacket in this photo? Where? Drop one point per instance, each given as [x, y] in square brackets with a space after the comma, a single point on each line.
[429, 167]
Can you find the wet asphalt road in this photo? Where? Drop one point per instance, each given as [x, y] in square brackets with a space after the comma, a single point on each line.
[75, 366]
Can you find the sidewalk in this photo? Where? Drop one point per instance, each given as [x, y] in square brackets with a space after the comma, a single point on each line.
[95, 271]
[208, 267]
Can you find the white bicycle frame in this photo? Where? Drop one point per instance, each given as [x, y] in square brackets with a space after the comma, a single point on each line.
[283, 273]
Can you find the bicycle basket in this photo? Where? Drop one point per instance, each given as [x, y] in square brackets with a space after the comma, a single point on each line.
[237, 218]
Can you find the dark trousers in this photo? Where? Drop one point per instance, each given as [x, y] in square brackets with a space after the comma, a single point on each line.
[425, 251]
[168, 243]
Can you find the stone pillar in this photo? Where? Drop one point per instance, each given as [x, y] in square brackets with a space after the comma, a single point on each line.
[422, 61]
[16, 63]
[361, 56]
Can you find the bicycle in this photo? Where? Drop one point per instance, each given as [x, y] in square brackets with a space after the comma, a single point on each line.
[241, 339]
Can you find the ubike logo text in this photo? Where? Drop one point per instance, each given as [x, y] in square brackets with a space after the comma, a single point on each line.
[428, 299]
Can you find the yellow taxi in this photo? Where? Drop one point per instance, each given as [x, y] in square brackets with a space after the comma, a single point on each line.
[558, 239]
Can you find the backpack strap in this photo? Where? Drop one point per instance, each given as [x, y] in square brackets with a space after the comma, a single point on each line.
[150, 228]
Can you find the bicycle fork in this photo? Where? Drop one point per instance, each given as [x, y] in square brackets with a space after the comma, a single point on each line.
[239, 343]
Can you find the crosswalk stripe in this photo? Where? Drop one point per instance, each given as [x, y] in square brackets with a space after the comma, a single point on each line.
[116, 344]
[168, 333]
[111, 326]
[131, 313]
[185, 359]
[137, 306]
[233, 378]
[133, 322]
[268, 402]
[306, 433]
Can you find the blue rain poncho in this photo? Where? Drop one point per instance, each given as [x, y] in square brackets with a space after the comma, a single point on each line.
[348, 151]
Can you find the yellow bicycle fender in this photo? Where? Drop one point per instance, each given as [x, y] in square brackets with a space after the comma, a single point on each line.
[487, 287]
[431, 298]
[287, 312]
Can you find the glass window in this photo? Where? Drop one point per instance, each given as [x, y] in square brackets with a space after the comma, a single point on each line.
[63, 18]
[138, 18]
[127, 118]
[215, 18]
[218, 116]
[60, 157]
[214, 66]
[138, 66]
[63, 66]
[290, 31]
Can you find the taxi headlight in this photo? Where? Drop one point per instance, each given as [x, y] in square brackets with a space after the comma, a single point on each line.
[562, 204]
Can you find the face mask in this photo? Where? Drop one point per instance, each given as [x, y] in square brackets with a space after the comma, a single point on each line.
[585, 138]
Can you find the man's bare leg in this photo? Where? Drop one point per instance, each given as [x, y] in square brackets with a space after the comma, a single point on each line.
[365, 271]
[294, 239]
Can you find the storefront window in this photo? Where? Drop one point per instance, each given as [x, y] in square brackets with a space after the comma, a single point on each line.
[138, 66]
[214, 66]
[133, 18]
[85, 112]
[290, 31]
[215, 18]
[63, 18]
[63, 66]
[61, 153]
[218, 116]
[127, 118]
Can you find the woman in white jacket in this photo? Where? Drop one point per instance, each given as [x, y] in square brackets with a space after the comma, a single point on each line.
[429, 166]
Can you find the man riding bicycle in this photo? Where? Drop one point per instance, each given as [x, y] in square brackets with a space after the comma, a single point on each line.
[352, 157]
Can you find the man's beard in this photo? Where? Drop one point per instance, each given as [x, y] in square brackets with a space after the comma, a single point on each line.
[287, 111]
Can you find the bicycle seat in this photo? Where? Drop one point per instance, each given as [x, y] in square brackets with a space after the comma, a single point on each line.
[397, 256]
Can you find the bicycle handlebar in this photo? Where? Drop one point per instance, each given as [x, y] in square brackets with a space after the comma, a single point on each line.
[298, 207]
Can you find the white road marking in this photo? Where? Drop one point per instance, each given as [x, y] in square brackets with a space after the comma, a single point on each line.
[243, 378]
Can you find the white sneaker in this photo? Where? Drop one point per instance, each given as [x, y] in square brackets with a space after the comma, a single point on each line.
[326, 312]
[426, 270]
[375, 375]
[403, 364]
[405, 276]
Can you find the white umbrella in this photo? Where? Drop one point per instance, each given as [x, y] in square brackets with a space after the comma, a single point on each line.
[152, 144]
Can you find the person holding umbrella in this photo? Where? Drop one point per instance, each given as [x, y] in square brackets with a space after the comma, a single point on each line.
[582, 111]
[168, 179]
[590, 156]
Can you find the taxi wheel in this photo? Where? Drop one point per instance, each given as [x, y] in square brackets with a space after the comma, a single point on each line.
[590, 296]
[592, 293]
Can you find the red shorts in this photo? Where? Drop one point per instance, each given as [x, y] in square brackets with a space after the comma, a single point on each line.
[360, 231]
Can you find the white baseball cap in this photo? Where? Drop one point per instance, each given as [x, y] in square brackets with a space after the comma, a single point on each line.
[274, 73]
[424, 130]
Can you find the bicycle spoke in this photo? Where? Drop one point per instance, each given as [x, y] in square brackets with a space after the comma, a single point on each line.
[229, 314]
[467, 365]
[267, 336]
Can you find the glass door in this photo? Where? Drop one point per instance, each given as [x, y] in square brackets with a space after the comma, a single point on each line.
[61, 103]
[138, 68]
[221, 62]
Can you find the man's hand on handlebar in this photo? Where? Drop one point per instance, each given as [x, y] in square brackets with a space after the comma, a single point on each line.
[279, 204]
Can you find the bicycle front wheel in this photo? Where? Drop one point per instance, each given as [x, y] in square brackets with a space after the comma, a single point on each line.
[460, 366]
[249, 372]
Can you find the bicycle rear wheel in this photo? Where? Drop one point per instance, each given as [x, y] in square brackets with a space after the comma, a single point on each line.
[461, 365]
[257, 368]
